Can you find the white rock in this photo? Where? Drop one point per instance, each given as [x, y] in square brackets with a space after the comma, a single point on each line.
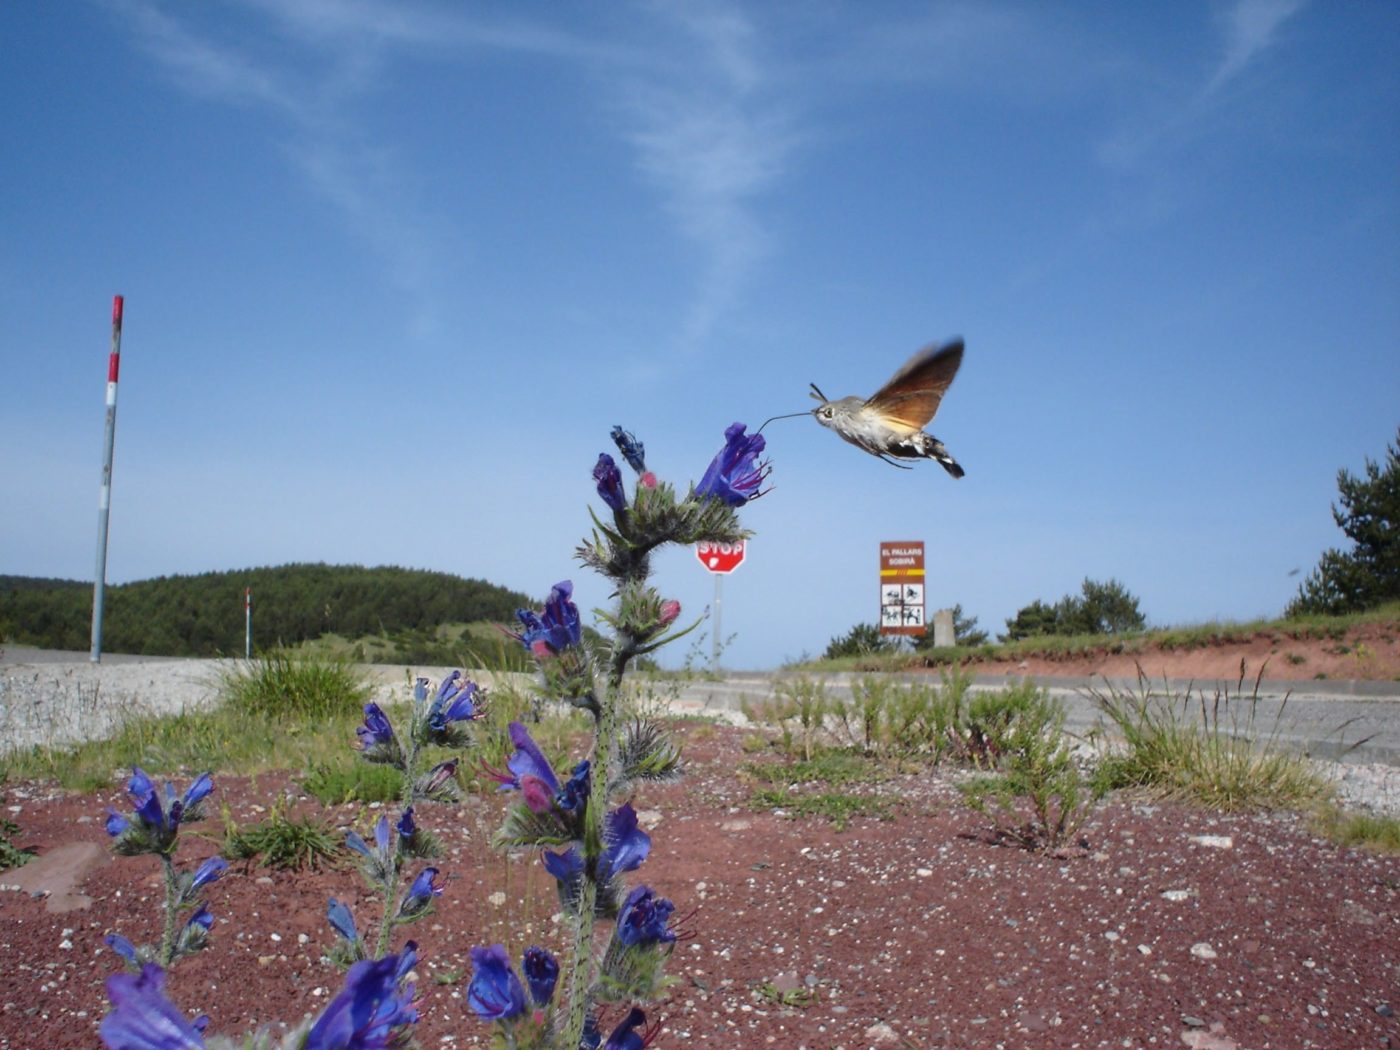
[1202, 950]
[1214, 841]
[881, 1033]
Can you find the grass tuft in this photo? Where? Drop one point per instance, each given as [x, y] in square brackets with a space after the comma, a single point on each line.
[1212, 752]
[290, 686]
[283, 842]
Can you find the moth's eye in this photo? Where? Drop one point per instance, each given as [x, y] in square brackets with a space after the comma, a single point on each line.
[826, 413]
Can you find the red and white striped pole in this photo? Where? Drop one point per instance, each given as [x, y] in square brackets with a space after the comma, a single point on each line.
[104, 503]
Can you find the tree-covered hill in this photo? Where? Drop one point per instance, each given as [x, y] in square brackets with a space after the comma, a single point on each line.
[203, 615]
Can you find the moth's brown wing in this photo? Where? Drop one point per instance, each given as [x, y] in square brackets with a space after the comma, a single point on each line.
[912, 395]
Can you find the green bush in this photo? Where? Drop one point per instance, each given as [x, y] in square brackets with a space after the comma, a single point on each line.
[861, 640]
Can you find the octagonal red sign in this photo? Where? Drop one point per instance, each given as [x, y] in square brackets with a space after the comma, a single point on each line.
[720, 557]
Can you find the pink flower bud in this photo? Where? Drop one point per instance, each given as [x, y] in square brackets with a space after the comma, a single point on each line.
[670, 609]
[537, 794]
[647, 480]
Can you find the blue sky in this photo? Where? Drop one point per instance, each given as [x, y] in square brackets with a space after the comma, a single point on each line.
[392, 271]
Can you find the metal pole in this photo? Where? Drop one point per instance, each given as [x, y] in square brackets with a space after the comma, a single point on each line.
[247, 623]
[104, 502]
[714, 642]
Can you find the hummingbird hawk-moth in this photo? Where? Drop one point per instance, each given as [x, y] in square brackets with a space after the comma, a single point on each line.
[890, 423]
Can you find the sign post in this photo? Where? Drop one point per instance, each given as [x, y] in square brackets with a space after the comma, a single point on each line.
[902, 587]
[104, 499]
[247, 623]
[720, 559]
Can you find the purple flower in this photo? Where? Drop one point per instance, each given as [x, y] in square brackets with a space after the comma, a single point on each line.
[142, 1018]
[408, 959]
[574, 793]
[202, 918]
[140, 784]
[455, 702]
[626, 845]
[405, 825]
[632, 450]
[157, 822]
[495, 993]
[206, 873]
[555, 628]
[625, 1037]
[609, 480]
[355, 842]
[198, 791]
[736, 473]
[643, 919]
[368, 1013]
[121, 946]
[437, 783]
[530, 772]
[377, 740]
[381, 834]
[541, 971]
[566, 866]
[420, 894]
[342, 921]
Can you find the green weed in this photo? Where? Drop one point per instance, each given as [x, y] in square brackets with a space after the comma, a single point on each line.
[1373, 831]
[11, 856]
[353, 781]
[835, 807]
[1037, 798]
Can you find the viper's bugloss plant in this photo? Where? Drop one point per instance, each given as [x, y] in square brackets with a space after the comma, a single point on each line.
[585, 827]
[154, 827]
[583, 824]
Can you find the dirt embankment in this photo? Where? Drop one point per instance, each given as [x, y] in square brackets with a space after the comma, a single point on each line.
[1369, 651]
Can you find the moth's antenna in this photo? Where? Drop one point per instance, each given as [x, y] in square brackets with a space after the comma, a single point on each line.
[790, 415]
[817, 393]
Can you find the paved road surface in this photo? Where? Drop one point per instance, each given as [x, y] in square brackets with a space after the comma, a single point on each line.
[63, 696]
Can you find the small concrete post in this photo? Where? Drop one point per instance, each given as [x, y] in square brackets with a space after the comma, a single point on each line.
[943, 628]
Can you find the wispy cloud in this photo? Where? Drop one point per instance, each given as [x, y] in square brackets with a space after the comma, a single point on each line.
[711, 136]
[308, 94]
[1248, 29]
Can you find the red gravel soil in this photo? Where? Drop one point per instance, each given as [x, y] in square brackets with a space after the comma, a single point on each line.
[1165, 927]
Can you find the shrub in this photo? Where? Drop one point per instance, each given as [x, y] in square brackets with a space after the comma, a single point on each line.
[861, 640]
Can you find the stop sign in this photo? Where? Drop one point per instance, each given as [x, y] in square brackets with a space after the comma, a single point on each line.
[720, 557]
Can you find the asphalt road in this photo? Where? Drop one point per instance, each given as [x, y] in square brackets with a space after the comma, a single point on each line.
[1349, 721]
[1336, 720]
